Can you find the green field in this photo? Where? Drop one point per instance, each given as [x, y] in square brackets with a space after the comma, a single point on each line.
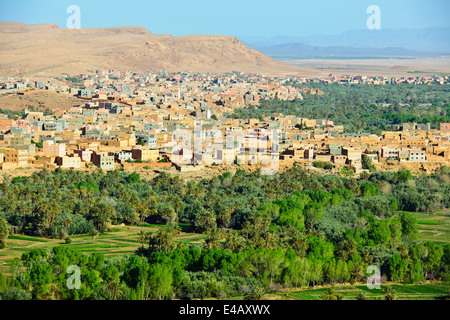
[427, 291]
[118, 241]
[125, 240]
[433, 226]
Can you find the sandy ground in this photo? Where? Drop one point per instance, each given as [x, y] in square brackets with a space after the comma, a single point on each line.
[40, 100]
[375, 67]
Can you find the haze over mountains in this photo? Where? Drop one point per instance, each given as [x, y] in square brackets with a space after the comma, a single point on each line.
[357, 43]
[47, 49]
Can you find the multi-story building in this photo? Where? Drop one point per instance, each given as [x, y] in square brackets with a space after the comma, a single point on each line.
[84, 154]
[338, 159]
[226, 156]
[390, 153]
[6, 123]
[18, 140]
[103, 161]
[68, 162]
[417, 154]
[352, 153]
[123, 155]
[16, 156]
[145, 154]
[52, 149]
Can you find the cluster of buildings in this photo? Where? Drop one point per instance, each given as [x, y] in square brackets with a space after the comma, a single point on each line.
[160, 119]
[360, 79]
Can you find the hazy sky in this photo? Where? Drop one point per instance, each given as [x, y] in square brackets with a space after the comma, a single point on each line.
[233, 17]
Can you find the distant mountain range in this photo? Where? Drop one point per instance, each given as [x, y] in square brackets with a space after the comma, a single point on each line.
[357, 43]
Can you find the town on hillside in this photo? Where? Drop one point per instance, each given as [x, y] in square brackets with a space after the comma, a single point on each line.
[160, 119]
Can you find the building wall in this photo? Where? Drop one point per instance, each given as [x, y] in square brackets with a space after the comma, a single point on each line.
[51, 149]
[69, 162]
[103, 161]
[19, 157]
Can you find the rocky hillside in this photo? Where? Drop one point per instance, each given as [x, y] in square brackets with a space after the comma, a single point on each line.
[47, 49]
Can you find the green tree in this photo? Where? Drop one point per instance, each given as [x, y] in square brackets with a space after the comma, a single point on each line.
[368, 189]
[403, 175]
[40, 275]
[4, 232]
[395, 238]
[313, 214]
[93, 233]
[134, 178]
[409, 226]
[160, 280]
[204, 221]
[398, 268]
[167, 213]
[366, 163]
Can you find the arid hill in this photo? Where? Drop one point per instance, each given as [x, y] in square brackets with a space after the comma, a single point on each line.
[39, 100]
[46, 49]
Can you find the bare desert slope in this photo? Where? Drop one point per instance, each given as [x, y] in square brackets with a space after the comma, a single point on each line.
[46, 49]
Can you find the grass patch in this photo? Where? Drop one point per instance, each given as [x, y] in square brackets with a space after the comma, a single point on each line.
[115, 242]
[26, 238]
[430, 222]
[433, 227]
[428, 291]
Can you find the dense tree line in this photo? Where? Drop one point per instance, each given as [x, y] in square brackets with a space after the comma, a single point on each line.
[360, 107]
[293, 229]
[189, 273]
[65, 202]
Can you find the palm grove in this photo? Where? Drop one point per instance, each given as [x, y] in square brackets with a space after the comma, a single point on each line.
[263, 233]
[362, 107]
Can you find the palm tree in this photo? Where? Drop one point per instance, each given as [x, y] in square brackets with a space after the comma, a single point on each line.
[167, 213]
[223, 215]
[331, 294]
[165, 237]
[152, 241]
[176, 202]
[245, 268]
[114, 289]
[361, 296]
[389, 293]
[4, 232]
[234, 241]
[213, 239]
[142, 237]
[247, 228]
[269, 237]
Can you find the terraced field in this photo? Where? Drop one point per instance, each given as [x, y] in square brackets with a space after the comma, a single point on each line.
[427, 291]
[119, 241]
[434, 226]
